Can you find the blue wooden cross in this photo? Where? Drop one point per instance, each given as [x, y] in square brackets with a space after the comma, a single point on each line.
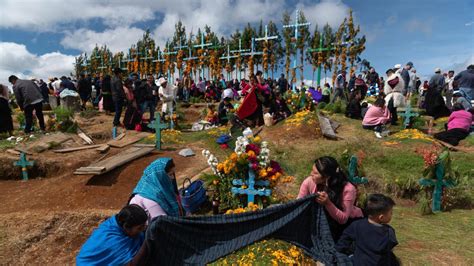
[114, 132]
[266, 38]
[438, 183]
[296, 26]
[240, 51]
[353, 171]
[24, 163]
[408, 115]
[228, 57]
[157, 126]
[250, 191]
[190, 56]
[169, 52]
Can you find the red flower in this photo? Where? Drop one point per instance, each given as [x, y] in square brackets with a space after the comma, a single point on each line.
[253, 147]
[255, 166]
[275, 166]
[224, 146]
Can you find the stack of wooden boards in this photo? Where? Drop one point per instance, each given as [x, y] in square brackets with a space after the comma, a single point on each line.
[115, 161]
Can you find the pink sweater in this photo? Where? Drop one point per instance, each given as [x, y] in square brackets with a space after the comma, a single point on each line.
[349, 195]
[460, 119]
[376, 116]
[152, 208]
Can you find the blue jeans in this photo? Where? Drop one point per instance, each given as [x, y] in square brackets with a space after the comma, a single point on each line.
[186, 94]
[118, 111]
[151, 105]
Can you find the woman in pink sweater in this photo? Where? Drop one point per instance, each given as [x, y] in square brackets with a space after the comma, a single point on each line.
[334, 192]
[376, 117]
[459, 124]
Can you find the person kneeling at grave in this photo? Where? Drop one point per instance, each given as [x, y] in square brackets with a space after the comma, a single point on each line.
[458, 126]
[376, 117]
[372, 237]
[335, 192]
[157, 192]
[117, 241]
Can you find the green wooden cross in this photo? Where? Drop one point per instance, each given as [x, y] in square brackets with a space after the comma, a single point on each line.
[24, 163]
[228, 57]
[157, 126]
[438, 183]
[320, 50]
[408, 115]
[353, 172]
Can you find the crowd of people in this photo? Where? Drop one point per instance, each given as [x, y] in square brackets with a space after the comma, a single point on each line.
[365, 233]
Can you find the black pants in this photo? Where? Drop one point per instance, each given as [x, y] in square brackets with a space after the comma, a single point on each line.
[393, 112]
[377, 128]
[452, 136]
[119, 103]
[29, 116]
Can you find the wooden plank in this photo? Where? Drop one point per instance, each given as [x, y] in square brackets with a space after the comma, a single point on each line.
[86, 138]
[326, 127]
[128, 139]
[13, 152]
[143, 145]
[115, 161]
[103, 148]
[78, 148]
[119, 137]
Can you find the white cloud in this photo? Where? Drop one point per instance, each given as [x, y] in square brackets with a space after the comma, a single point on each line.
[15, 59]
[118, 39]
[331, 12]
[47, 15]
[425, 26]
[469, 24]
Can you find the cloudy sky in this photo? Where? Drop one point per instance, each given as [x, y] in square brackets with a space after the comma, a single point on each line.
[41, 37]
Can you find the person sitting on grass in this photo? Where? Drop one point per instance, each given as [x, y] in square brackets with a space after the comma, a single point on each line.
[373, 238]
[354, 109]
[117, 240]
[225, 106]
[211, 115]
[335, 192]
[458, 126]
[376, 117]
[157, 192]
[279, 108]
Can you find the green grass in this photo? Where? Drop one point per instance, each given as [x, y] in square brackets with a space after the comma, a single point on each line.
[443, 238]
[5, 144]
[469, 141]
[429, 240]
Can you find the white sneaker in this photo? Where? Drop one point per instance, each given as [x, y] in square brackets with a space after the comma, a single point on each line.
[378, 135]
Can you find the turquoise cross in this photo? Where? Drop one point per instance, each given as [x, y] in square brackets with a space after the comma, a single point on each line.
[353, 172]
[24, 163]
[438, 183]
[408, 115]
[157, 126]
[250, 191]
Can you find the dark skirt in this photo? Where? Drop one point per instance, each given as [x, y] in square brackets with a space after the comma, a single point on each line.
[6, 122]
[108, 102]
[452, 136]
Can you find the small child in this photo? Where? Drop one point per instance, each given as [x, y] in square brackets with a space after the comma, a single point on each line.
[211, 116]
[374, 239]
[376, 117]
[326, 93]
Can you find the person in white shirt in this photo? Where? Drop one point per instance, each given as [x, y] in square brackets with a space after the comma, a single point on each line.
[411, 83]
[449, 89]
[167, 93]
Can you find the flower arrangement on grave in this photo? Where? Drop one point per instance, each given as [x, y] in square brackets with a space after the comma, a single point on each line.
[249, 154]
[438, 174]
[412, 134]
[298, 101]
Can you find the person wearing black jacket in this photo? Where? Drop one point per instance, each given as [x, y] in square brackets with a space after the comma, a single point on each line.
[29, 98]
[118, 95]
[84, 87]
[147, 97]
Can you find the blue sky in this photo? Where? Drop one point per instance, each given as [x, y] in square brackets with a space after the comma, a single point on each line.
[41, 37]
